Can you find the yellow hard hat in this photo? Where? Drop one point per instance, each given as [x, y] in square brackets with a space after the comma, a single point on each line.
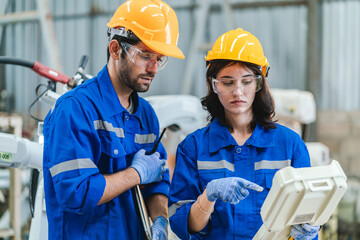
[153, 21]
[239, 45]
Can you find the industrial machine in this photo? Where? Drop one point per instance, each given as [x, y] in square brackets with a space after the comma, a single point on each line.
[19, 152]
[297, 109]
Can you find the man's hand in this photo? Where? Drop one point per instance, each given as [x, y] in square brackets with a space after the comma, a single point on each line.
[232, 189]
[149, 167]
[159, 229]
[304, 231]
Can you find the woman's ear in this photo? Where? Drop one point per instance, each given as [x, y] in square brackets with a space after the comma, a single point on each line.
[115, 49]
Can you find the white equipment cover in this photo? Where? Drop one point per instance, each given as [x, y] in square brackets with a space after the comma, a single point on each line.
[19, 152]
[183, 111]
[293, 104]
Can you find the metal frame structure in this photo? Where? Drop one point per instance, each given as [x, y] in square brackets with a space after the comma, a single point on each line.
[44, 17]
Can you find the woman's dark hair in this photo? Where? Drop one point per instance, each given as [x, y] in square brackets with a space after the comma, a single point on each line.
[133, 40]
[263, 106]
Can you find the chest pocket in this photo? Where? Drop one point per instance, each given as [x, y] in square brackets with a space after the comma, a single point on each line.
[264, 178]
[112, 155]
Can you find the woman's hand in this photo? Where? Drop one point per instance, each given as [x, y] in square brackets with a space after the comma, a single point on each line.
[232, 189]
[304, 231]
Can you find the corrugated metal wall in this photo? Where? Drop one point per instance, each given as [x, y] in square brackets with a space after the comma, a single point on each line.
[341, 55]
[81, 29]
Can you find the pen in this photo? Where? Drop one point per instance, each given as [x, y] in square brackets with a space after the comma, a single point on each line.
[157, 143]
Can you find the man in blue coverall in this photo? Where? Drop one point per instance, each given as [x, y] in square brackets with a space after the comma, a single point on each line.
[97, 135]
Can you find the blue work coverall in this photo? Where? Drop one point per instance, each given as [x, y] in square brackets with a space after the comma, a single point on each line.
[211, 153]
[88, 135]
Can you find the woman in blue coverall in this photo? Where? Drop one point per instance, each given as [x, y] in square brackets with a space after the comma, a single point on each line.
[224, 171]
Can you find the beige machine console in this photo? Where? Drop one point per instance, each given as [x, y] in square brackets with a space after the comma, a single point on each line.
[301, 195]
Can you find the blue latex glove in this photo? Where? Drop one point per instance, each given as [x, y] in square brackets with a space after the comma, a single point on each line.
[304, 231]
[232, 189]
[149, 167]
[159, 229]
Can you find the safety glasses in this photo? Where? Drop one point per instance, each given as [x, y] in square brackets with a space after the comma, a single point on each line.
[246, 84]
[142, 58]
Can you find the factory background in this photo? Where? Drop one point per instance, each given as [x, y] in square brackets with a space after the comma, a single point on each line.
[311, 45]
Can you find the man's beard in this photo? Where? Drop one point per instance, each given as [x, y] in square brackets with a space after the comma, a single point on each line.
[133, 82]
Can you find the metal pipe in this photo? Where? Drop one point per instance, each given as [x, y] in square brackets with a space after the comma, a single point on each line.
[242, 4]
[199, 27]
[313, 64]
[266, 4]
[19, 17]
[48, 33]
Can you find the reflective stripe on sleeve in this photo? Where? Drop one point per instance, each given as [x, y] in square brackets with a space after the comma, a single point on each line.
[103, 125]
[72, 165]
[211, 165]
[267, 164]
[145, 138]
[175, 206]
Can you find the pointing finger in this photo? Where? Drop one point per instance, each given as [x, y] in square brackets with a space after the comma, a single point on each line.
[253, 186]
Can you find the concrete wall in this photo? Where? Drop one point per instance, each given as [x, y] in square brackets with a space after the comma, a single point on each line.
[340, 131]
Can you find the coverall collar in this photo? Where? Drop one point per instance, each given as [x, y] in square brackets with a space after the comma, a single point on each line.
[111, 99]
[220, 137]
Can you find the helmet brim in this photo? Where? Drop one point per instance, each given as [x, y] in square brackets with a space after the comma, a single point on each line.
[165, 49]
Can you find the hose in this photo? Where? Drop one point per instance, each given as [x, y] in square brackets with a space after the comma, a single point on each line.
[16, 61]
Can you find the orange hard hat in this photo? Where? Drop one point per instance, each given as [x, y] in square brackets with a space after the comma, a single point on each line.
[239, 45]
[153, 21]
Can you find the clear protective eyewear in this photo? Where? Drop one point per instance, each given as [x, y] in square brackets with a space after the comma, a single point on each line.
[142, 58]
[225, 86]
